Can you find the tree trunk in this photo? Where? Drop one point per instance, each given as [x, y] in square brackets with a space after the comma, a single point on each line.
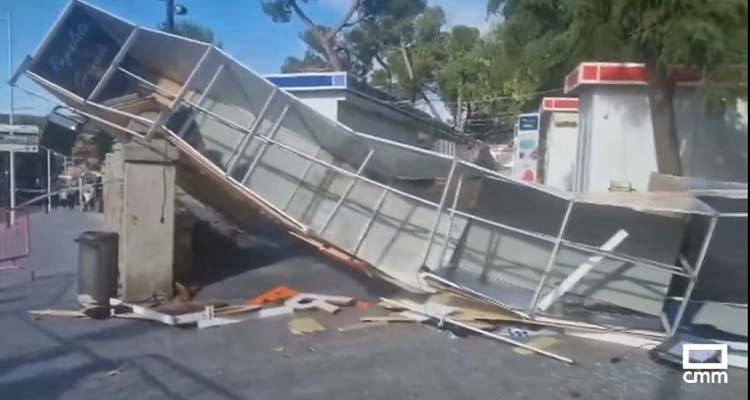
[333, 57]
[459, 112]
[661, 102]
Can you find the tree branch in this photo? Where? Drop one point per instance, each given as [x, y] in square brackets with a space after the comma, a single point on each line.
[387, 70]
[301, 14]
[433, 110]
[349, 13]
[324, 40]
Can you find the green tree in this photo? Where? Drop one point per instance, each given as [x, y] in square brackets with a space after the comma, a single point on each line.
[323, 40]
[546, 38]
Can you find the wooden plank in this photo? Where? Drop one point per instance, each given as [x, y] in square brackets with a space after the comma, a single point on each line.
[361, 325]
[616, 338]
[237, 309]
[51, 312]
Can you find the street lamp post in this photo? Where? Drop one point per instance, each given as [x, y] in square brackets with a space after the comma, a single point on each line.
[172, 9]
[11, 154]
[170, 15]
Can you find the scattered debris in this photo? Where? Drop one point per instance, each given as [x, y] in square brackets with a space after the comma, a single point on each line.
[271, 312]
[181, 292]
[362, 305]
[361, 325]
[303, 326]
[522, 333]
[97, 312]
[541, 343]
[51, 312]
[113, 372]
[278, 294]
[445, 318]
[237, 309]
[624, 339]
[386, 318]
[310, 301]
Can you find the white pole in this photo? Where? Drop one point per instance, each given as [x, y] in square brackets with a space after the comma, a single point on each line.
[12, 163]
[49, 181]
[80, 192]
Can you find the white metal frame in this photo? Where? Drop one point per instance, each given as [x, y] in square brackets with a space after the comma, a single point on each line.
[268, 140]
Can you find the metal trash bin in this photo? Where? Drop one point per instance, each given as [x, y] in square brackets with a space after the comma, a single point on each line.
[97, 267]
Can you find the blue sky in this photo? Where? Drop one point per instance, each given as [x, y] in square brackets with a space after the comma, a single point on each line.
[241, 25]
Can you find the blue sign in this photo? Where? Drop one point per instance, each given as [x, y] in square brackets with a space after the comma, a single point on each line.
[528, 122]
[308, 81]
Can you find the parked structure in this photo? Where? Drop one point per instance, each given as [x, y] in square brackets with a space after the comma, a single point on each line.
[616, 143]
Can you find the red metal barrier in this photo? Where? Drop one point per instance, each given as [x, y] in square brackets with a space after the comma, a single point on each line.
[15, 243]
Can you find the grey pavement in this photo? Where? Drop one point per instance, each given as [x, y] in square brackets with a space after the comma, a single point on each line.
[62, 358]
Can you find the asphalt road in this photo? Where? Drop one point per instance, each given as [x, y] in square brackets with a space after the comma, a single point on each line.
[62, 358]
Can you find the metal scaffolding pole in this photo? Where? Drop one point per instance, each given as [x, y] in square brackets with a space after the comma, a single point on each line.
[348, 189]
[552, 258]
[264, 145]
[113, 66]
[241, 145]
[301, 180]
[694, 276]
[448, 231]
[440, 208]
[191, 118]
[165, 115]
[375, 211]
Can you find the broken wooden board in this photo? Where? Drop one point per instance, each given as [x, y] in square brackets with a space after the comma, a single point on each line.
[236, 309]
[361, 325]
[271, 312]
[304, 326]
[623, 339]
[51, 312]
[311, 301]
[216, 321]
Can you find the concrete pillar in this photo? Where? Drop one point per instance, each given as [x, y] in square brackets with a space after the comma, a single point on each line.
[183, 240]
[147, 224]
[113, 189]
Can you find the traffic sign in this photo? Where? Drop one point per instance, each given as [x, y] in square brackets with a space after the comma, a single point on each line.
[19, 143]
[27, 129]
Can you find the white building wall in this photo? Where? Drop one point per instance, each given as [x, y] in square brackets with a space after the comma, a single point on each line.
[561, 148]
[618, 138]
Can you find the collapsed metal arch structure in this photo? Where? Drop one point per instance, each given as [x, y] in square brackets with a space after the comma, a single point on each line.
[247, 147]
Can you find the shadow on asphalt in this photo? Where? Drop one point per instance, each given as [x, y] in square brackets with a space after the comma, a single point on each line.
[59, 380]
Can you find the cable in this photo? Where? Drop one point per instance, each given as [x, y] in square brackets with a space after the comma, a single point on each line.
[29, 92]
[68, 189]
[491, 99]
